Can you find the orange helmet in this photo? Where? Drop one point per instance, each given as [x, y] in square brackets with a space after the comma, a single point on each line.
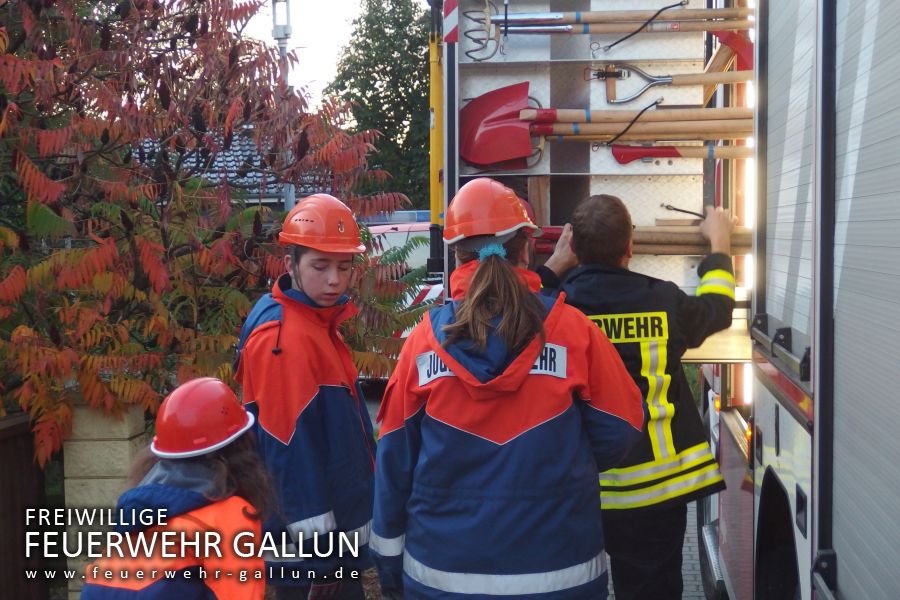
[324, 223]
[484, 207]
[199, 417]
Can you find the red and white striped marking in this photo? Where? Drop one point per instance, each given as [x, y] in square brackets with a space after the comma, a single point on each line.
[430, 292]
[451, 21]
[433, 293]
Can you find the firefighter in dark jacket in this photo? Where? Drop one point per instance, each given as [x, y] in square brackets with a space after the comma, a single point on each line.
[652, 323]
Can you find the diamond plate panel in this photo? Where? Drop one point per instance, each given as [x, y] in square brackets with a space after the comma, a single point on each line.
[645, 195]
[660, 47]
[681, 270]
[475, 82]
[603, 163]
[648, 46]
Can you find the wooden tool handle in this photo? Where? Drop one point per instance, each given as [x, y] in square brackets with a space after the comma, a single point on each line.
[726, 152]
[684, 14]
[687, 236]
[611, 89]
[708, 78]
[575, 115]
[624, 153]
[686, 127]
[694, 136]
[664, 26]
[685, 250]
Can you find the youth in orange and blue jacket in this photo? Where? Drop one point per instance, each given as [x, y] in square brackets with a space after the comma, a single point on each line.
[314, 432]
[488, 462]
[181, 487]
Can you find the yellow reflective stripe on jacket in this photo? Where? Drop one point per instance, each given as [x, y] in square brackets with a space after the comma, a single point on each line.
[659, 426]
[652, 471]
[651, 331]
[655, 494]
[717, 281]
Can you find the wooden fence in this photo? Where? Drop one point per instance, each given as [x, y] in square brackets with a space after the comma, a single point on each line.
[21, 486]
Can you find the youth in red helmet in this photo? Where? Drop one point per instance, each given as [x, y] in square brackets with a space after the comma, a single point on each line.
[324, 223]
[501, 399]
[299, 379]
[321, 237]
[200, 477]
[485, 207]
[199, 417]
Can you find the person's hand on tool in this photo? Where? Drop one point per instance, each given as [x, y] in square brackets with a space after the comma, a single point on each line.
[563, 257]
[717, 227]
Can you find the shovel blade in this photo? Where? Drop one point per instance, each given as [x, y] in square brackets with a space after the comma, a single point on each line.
[517, 164]
[490, 130]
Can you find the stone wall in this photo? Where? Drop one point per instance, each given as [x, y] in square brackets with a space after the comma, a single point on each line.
[98, 456]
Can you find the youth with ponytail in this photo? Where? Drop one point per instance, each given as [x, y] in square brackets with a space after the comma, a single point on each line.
[504, 406]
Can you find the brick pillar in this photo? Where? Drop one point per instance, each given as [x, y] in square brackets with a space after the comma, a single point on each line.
[98, 456]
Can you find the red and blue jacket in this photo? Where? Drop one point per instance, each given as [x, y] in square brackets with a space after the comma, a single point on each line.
[488, 462]
[313, 429]
[182, 488]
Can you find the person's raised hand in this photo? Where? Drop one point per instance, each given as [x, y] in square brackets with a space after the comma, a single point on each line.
[563, 257]
[717, 227]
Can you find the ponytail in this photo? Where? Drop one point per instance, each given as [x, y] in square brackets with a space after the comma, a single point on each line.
[497, 291]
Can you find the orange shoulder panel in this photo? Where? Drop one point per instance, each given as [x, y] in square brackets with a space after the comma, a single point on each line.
[228, 518]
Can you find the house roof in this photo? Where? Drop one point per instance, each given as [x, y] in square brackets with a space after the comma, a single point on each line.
[239, 165]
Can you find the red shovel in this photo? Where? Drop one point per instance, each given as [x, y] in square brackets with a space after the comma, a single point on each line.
[497, 126]
[490, 130]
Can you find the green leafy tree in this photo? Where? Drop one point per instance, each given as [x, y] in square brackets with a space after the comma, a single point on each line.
[383, 73]
[384, 292]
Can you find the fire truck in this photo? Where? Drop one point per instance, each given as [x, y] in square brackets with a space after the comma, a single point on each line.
[797, 394]
[806, 444]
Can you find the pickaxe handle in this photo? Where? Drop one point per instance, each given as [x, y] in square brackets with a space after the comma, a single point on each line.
[666, 127]
[612, 16]
[708, 78]
[628, 27]
[693, 136]
[574, 115]
[626, 154]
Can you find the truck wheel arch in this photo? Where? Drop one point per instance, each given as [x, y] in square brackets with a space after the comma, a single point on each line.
[777, 574]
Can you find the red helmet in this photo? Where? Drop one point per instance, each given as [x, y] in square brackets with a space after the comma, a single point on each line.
[199, 417]
[324, 223]
[484, 207]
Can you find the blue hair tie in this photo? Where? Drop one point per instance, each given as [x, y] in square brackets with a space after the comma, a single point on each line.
[492, 250]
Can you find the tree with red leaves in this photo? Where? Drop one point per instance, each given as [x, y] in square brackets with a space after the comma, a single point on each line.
[128, 259]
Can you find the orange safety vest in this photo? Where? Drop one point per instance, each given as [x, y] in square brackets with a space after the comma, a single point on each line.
[198, 570]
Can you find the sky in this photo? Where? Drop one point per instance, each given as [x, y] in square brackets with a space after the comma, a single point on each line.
[319, 29]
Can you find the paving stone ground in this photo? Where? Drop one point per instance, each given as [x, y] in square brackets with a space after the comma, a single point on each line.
[690, 566]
